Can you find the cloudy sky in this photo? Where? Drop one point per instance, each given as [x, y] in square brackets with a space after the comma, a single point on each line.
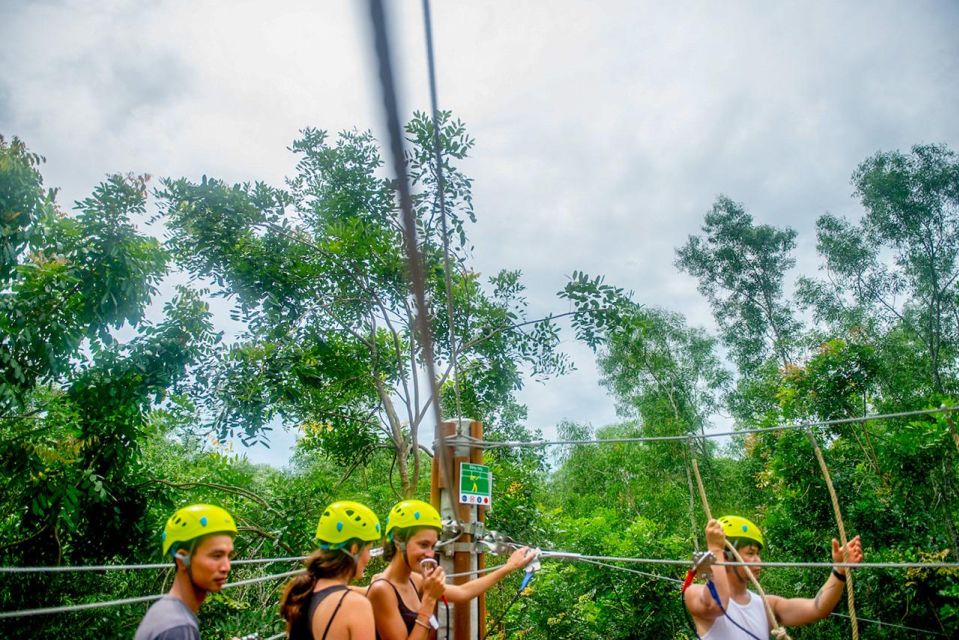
[604, 130]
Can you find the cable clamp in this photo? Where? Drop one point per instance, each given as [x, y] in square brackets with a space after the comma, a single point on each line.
[703, 564]
[497, 543]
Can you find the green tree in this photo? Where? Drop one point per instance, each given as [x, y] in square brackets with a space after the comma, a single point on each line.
[911, 204]
[741, 267]
[73, 398]
[318, 273]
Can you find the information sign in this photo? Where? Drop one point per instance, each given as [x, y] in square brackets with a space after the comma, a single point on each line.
[476, 484]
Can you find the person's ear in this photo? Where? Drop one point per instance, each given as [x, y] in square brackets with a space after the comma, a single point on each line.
[183, 556]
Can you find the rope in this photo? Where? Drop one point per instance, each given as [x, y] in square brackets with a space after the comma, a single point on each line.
[777, 631]
[414, 258]
[131, 567]
[692, 504]
[717, 434]
[115, 603]
[850, 597]
[441, 187]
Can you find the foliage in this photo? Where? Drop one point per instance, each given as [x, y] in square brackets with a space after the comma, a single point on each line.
[318, 273]
[741, 267]
[114, 407]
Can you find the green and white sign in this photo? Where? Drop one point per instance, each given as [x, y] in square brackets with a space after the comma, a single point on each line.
[476, 484]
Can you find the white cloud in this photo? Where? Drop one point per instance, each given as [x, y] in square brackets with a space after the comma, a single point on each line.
[604, 130]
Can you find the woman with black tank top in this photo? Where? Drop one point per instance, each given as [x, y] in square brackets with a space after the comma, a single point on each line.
[403, 598]
[319, 605]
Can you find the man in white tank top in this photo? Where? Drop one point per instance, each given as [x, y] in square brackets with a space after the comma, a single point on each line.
[724, 609]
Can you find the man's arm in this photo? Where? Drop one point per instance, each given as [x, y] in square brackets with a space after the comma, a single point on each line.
[699, 601]
[795, 612]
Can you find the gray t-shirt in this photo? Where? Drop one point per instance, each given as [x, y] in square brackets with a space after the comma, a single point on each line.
[168, 619]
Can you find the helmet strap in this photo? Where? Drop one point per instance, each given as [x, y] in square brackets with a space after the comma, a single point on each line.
[187, 560]
[401, 547]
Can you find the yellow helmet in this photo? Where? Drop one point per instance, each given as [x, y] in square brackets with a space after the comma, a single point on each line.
[189, 523]
[412, 513]
[737, 527]
[346, 520]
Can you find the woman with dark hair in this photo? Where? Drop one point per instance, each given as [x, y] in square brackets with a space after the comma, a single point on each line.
[319, 605]
[406, 593]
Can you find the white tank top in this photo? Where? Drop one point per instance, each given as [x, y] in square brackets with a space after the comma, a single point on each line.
[751, 616]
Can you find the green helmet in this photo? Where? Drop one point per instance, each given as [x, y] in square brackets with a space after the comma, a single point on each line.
[737, 527]
[346, 520]
[189, 523]
[412, 513]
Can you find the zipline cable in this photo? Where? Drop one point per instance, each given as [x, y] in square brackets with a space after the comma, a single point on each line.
[133, 567]
[489, 444]
[414, 258]
[628, 570]
[894, 625]
[441, 188]
[560, 555]
[114, 603]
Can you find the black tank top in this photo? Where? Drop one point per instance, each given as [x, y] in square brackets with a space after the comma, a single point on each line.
[408, 615]
[304, 630]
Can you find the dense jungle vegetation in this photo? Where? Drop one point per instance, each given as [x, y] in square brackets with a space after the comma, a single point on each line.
[118, 391]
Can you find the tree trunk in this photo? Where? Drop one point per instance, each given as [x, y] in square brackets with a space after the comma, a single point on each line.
[399, 442]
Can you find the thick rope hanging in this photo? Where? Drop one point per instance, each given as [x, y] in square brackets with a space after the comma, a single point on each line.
[692, 503]
[778, 630]
[850, 597]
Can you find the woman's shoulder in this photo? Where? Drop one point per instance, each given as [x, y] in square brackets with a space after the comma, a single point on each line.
[379, 587]
[357, 602]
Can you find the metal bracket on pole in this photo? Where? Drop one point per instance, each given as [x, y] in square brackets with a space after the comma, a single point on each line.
[498, 544]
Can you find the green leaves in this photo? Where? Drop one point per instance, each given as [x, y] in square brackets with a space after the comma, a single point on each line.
[741, 267]
[23, 201]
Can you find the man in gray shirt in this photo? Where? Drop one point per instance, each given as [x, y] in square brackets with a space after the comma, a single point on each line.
[200, 540]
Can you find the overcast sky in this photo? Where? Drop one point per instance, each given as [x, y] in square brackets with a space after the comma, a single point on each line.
[604, 130]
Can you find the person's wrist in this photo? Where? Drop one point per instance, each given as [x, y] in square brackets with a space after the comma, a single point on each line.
[839, 573]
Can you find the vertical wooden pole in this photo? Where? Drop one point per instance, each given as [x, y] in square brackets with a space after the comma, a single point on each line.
[468, 619]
